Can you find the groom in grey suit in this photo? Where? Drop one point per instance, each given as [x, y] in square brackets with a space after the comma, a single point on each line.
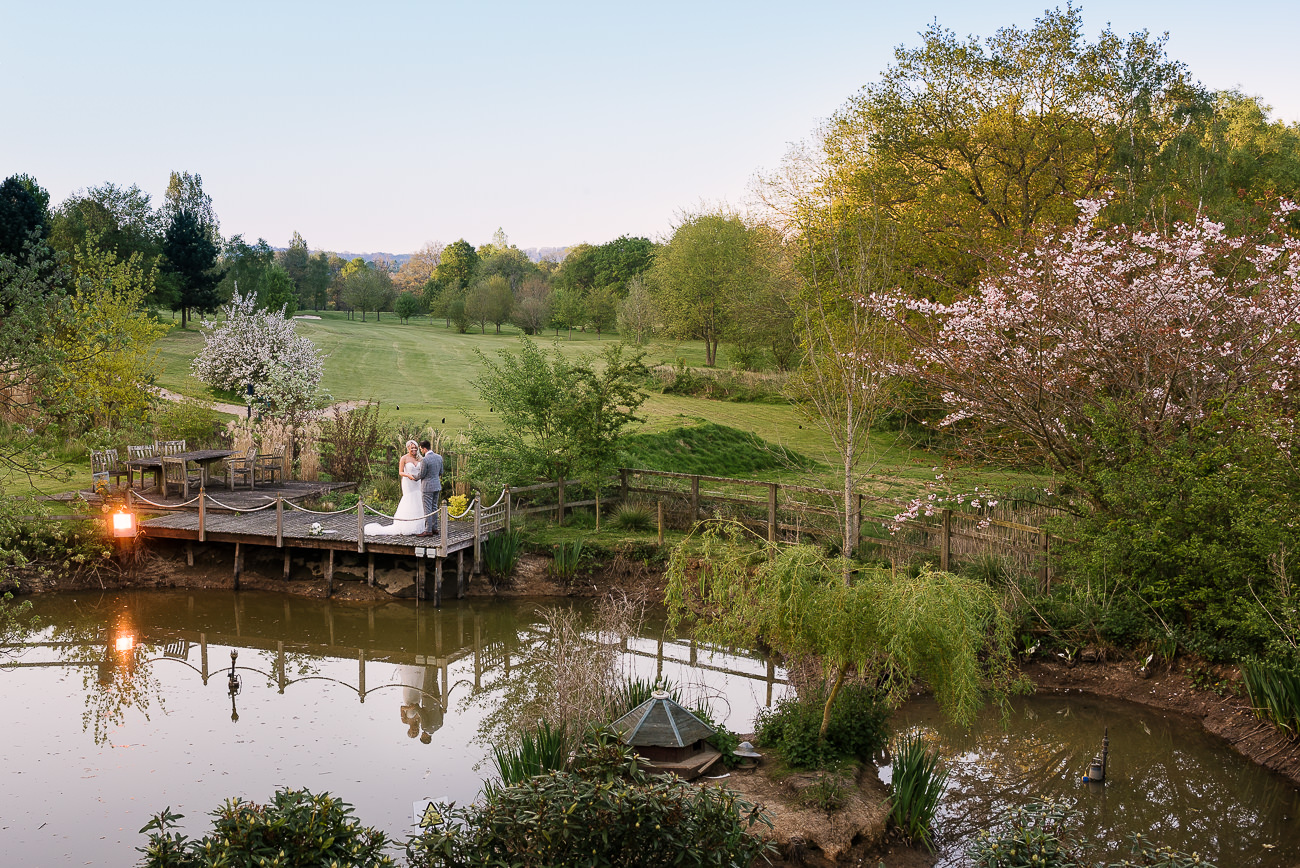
[429, 472]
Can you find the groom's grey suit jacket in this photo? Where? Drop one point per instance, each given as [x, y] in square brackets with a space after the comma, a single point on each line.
[430, 472]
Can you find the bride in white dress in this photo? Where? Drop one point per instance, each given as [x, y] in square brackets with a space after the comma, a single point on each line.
[409, 519]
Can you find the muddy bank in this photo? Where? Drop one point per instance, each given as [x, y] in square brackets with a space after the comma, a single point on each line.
[166, 564]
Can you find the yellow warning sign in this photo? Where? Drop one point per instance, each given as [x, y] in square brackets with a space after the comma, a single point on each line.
[426, 814]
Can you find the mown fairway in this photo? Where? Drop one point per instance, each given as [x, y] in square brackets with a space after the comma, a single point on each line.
[424, 371]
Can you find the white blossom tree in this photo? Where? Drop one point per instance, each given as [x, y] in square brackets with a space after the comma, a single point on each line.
[262, 348]
[1091, 328]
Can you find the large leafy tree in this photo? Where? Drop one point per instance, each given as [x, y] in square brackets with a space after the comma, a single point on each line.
[967, 143]
[490, 300]
[560, 418]
[295, 260]
[367, 287]
[704, 275]
[458, 264]
[24, 214]
[105, 341]
[190, 263]
[121, 219]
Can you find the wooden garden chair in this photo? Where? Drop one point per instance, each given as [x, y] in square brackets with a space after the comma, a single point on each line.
[115, 468]
[176, 473]
[169, 447]
[242, 465]
[134, 452]
[271, 465]
[98, 470]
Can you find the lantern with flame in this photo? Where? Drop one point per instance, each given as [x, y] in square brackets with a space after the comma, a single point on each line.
[122, 524]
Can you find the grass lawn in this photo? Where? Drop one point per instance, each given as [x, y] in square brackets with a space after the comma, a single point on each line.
[423, 371]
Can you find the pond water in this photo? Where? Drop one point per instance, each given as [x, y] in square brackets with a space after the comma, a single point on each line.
[119, 707]
[1165, 776]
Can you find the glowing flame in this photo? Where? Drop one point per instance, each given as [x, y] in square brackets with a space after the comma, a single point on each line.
[125, 642]
[123, 523]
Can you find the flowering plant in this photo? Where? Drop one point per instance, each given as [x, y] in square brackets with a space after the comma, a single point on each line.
[316, 529]
[457, 506]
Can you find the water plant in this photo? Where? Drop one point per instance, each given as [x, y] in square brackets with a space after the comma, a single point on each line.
[916, 788]
[565, 560]
[501, 553]
[635, 690]
[541, 749]
[1274, 692]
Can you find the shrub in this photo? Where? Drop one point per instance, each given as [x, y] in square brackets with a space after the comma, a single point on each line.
[605, 812]
[858, 727]
[349, 441]
[1274, 692]
[917, 785]
[296, 828]
[189, 420]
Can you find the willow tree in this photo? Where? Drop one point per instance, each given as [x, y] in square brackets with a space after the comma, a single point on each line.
[893, 629]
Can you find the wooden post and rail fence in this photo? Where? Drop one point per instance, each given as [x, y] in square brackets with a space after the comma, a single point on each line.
[784, 512]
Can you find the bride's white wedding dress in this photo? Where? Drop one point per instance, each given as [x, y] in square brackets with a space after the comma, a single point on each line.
[408, 521]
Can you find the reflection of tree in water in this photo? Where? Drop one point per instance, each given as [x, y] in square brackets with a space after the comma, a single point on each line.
[1165, 778]
[297, 664]
[114, 680]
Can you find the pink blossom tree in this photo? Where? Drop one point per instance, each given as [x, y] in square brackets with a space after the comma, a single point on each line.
[1101, 327]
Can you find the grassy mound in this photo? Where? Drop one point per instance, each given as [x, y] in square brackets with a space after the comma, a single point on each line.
[711, 450]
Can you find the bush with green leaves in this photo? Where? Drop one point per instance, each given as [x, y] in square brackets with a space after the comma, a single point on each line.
[604, 813]
[189, 420]
[858, 727]
[297, 828]
[634, 516]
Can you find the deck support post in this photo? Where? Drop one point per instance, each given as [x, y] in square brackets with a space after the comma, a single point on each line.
[286, 565]
[419, 578]
[361, 526]
[239, 562]
[329, 573]
[460, 574]
[370, 569]
[279, 521]
[203, 514]
[437, 584]
[189, 553]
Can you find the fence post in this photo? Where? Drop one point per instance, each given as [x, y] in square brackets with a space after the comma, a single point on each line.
[203, 515]
[622, 484]
[945, 541]
[508, 509]
[1042, 575]
[661, 522]
[560, 516]
[695, 500]
[279, 521]
[771, 512]
[597, 507]
[361, 525]
[856, 536]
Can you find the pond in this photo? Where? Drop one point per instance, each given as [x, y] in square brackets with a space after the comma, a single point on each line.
[1165, 776]
[119, 707]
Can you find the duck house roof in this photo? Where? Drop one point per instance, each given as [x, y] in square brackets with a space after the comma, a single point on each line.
[661, 722]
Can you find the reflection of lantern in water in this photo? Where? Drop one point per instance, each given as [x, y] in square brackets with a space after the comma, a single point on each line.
[235, 683]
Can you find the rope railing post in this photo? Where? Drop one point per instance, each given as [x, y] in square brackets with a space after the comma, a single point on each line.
[279, 521]
[361, 525]
[478, 528]
[203, 515]
[442, 531]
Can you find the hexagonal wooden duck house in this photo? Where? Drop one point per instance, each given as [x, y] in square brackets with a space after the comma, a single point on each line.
[667, 735]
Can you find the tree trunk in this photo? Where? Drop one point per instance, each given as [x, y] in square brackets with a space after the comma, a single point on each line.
[830, 700]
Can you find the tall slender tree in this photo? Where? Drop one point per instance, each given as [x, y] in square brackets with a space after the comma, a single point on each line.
[190, 260]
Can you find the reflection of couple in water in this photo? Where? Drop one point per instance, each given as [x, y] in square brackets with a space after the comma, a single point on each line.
[420, 469]
[422, 709]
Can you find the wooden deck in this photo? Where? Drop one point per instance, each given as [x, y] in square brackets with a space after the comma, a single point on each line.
[266, 517]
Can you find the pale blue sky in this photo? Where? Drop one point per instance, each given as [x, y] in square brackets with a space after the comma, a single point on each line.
[382, 126]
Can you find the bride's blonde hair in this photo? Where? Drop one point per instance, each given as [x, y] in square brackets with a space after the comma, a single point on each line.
[410, 443]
